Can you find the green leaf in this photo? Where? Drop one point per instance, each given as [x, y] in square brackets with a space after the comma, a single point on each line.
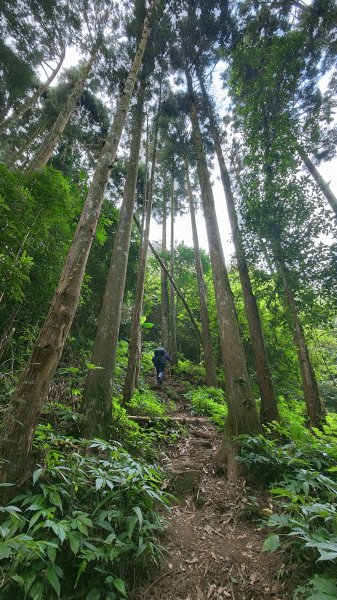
[132, 524]
[120, 586]
[139, 515]
[325, 585]
[92, 366]
[305, 487]
[37, 475]
[271, 543]
[53, 579]
[93, 594]
[5, 551]
[18, 580]
[74, 541]
[147, 325]
[51, 551]
[99, 483]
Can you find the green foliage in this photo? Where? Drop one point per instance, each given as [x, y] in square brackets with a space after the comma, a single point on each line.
[210, 402]
[146, 402]
[189, 370]
[318, 588]
[304, 484]
[88, 526]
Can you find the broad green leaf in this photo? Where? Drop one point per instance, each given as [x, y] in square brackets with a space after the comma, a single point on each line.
[120, 586]
[271, 543]
[99, 483]
[139, 515]
[132, 524]
[74, 542]
[53, 579]
[37, 475]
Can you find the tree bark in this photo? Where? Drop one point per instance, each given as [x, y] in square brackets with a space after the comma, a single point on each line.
[26, 403]
[98, 388]
[29, 102]
[269, 410]
[172, 315]
[314, 405]
[134, 344]
[210, 370]
[242, 413]
[164, 303]
[323, 186]
[51, 140]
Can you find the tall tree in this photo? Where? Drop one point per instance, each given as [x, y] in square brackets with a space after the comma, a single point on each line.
[210, 370]
[26, 402]
[134, 348]
[242, 412]
[48, 145]
[269, 410]
[172, 314]
[98, 389]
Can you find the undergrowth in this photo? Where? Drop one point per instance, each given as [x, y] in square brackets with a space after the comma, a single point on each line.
[300, 469]
[208, 401]
[87, 529]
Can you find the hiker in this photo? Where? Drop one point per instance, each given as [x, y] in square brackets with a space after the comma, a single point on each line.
[159, 359]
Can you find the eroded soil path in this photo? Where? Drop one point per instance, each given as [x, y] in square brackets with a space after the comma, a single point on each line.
[214, 539]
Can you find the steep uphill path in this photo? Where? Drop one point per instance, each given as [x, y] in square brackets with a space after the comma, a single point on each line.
[213, 546]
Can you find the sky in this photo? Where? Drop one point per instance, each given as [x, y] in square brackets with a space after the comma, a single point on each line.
[183, 231]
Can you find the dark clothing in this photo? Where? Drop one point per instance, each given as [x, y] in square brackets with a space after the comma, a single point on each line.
[159, 359]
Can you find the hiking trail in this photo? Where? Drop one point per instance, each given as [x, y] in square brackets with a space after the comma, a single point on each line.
[213, 540]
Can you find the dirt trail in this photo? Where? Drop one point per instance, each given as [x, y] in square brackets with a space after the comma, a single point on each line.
[213, 544]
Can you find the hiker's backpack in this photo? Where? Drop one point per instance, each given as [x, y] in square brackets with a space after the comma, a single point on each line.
[159, 357]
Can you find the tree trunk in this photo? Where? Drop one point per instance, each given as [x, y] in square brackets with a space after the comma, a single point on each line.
[172, 315]
[29, 102]
[51, 140]
[98, 389]
[210, 371]
[269, 410]
[164, 303]
[315, 408]
[14, 157]
[178, 292]
[134, 348]
[323, 186]
[242, 413]
[26, 403]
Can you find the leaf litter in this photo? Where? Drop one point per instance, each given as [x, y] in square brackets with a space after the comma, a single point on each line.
[213, 546]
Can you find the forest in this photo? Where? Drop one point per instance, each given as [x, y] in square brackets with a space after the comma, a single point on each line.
[213, 475]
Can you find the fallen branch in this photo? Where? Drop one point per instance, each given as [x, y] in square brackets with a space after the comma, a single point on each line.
[144, 420]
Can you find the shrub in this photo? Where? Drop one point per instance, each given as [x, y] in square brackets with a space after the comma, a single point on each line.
[304, 476]
[87, 528]
[210, 402]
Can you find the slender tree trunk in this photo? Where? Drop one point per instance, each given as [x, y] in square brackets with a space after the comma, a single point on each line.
[98, 389]
[51, 140]
[26, 403]
[172, 314]
[242, 413]
[323, 186]
[139, 341]
[164, 303]
[178, 292]
[210, 370]
[269, 410]
[29, 102]
[14, 157]
[134, 349]
[314, 405]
